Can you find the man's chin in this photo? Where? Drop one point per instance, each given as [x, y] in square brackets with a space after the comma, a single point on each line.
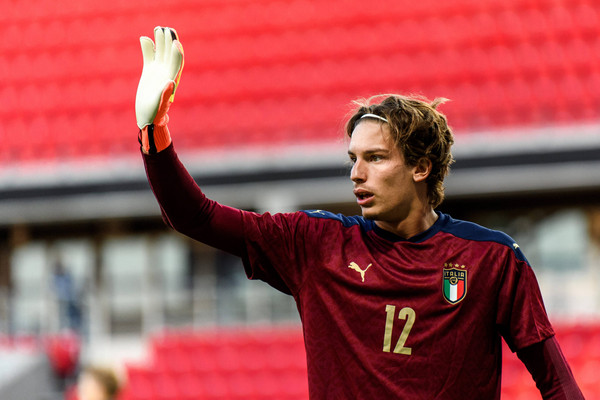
[368, 214]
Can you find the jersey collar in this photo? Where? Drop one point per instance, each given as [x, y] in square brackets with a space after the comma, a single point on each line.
[421, 237]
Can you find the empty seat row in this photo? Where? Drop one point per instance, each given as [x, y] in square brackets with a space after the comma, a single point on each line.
[63, 132]
[240, 17]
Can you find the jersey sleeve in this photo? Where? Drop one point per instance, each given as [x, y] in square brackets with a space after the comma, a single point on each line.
[273, 248]
[186, 209]
[278, 248]
[550, 370]
[521, 315]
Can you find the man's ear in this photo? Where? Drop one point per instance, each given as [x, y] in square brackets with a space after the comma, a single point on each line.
[422, 170]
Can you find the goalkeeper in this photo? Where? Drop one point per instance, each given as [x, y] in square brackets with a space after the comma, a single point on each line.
[402, 302]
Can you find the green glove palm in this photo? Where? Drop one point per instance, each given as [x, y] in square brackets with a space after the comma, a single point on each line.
[163, 64]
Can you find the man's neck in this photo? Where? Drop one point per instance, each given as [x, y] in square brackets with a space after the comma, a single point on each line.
[414, 224]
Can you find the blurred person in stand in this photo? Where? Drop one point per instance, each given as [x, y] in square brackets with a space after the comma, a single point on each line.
[67, 296]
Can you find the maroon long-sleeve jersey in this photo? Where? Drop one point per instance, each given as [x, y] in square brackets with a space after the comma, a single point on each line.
[392, 318]
[383, 317]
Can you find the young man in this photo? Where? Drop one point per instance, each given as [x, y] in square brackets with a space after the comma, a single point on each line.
[400, 303]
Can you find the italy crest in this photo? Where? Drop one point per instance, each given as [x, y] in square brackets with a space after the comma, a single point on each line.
[455, 283]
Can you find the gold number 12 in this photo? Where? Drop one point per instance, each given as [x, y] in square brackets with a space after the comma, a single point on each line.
[407, 314]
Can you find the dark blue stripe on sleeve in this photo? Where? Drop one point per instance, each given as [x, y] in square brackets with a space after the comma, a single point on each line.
[472, 231]
[366, 225]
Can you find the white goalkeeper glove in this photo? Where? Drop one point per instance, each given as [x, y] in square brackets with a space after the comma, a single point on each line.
[163, 64]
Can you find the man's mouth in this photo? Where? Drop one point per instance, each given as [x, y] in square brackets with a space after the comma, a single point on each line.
[363, 197]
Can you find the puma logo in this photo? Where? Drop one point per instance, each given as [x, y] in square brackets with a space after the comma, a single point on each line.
[355, 267]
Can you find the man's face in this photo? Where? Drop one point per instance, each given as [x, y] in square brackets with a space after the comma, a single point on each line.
[383, 184]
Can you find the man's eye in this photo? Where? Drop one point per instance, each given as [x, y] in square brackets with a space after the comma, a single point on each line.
[376, 157]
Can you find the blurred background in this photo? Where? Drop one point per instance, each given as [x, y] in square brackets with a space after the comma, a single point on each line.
[90, 275]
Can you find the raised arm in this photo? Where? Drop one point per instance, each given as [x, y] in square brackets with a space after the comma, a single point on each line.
[183, 205]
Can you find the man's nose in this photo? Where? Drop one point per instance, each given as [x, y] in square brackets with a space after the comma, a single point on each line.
[358, 173]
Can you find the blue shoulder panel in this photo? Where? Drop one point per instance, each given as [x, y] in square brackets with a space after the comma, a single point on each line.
[472, 231]
[365, 224]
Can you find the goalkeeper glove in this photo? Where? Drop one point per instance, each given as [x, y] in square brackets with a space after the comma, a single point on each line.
[163, 63]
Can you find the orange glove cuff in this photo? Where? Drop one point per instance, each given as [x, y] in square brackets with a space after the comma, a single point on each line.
[155, 138]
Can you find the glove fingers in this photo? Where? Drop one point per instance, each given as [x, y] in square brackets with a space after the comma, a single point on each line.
[174, 34]
[147, 49]
[168, 45]
[176, 62]
[159, 39]
[170, 37]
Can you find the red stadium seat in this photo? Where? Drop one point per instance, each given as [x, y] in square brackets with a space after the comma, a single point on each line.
[503, 65]
[577, 103]
[547, 98]
[139, 383]
[562, 22]
[553, 57]
[588, 19]
[529, 64]
[537, 27]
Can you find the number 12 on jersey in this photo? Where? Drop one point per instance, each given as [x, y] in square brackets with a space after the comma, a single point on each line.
[407, 314]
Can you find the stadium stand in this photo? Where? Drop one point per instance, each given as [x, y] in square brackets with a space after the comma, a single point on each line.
[73, 71]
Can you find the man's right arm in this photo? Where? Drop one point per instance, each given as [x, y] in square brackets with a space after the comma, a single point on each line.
[183, 205]
[187, 210]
